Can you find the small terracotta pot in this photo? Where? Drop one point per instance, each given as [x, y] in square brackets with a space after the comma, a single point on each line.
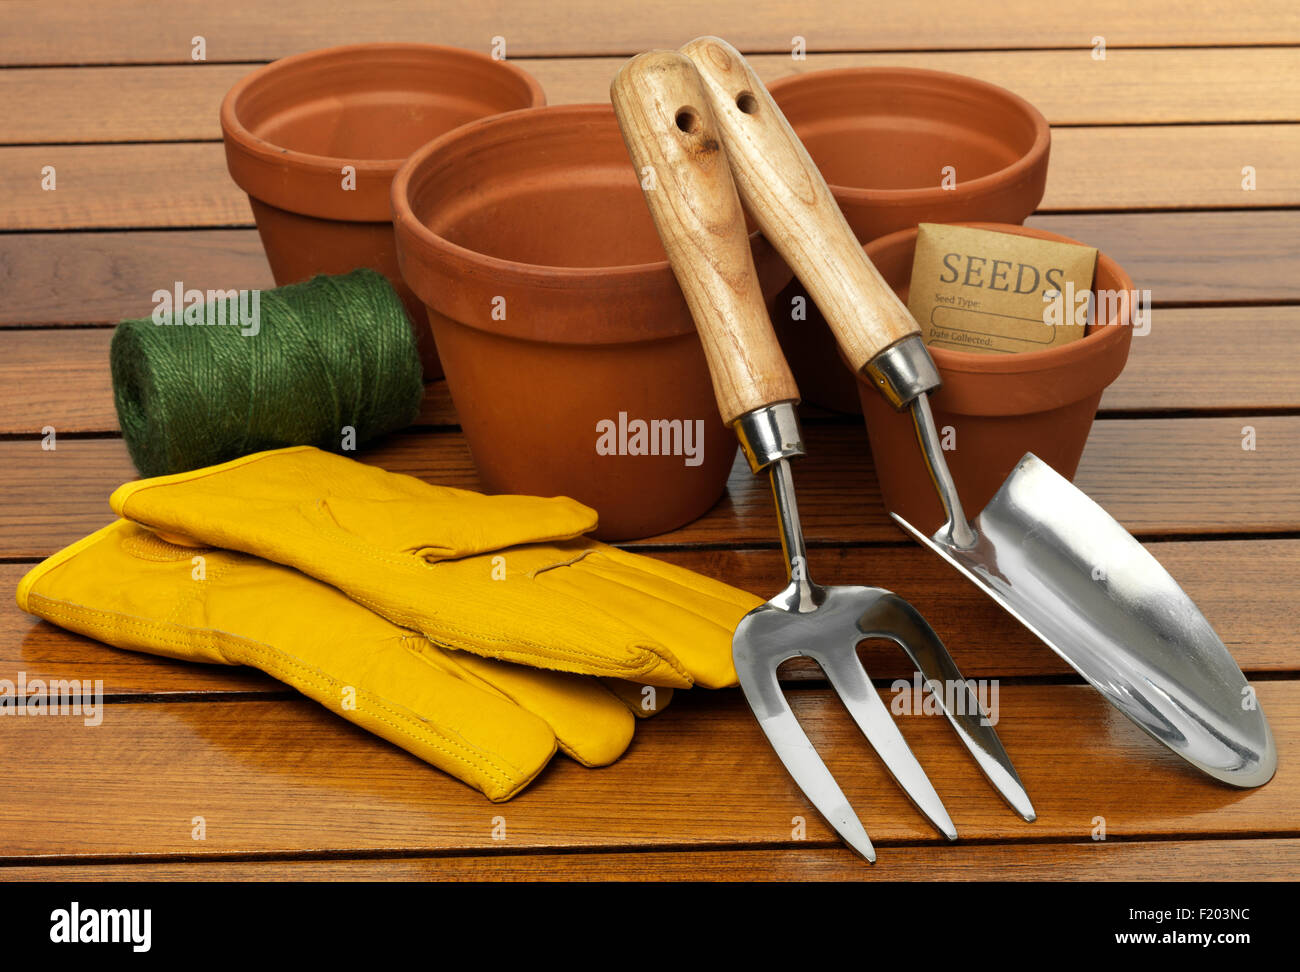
[554, 310]
[881, 137]
[1000, 406]
[292, 126]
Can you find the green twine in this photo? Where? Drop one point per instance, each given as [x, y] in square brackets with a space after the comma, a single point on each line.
[328, 354]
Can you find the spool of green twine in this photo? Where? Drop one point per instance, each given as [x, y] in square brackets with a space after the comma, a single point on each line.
[322, 357]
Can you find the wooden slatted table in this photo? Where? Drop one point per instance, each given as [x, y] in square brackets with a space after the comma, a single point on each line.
[1148, 150]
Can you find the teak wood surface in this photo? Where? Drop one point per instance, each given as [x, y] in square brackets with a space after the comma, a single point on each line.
[1147, 158]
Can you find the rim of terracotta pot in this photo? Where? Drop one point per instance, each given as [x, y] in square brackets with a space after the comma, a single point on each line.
[814, 84]
[497, 133]
[1099, 339]
[259, 166]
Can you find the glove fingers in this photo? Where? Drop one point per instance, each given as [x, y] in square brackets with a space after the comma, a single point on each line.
[695, 622]
[643, 700]
[517, 619]
[241, 504]
[469, 731]
[692, 590]
[591, 724]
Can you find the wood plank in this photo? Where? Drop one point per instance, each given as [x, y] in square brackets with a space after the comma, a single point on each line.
[1156, 476]
[186, 184]
[1233, 583]
[1168, 369]
[1212, 358]
[1172, 860]
[56, 378]
[99, 104]
[97, 278]
[113, 186]
[1236, 257]
[287, 776]
[1172, 167]
[132, 31]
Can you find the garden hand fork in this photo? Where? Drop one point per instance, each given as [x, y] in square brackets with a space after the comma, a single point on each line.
[675, 144]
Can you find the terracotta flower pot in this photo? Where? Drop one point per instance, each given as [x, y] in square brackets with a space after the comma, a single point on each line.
[882, 137]
[555, 313]
[292, 126]
[999, 406]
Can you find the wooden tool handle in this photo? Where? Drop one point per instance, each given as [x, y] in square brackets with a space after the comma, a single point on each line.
[674, 142]
[793, 206]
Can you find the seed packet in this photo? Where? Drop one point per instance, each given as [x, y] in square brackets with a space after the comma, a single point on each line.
[996, 293]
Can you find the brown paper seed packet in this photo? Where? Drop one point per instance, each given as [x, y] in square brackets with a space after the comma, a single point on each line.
[996, 293]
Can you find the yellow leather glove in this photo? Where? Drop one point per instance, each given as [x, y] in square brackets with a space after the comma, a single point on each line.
[489, 723]
[508, 577]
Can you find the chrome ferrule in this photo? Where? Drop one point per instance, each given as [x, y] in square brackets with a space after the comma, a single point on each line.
[903, 371]
[769, 433]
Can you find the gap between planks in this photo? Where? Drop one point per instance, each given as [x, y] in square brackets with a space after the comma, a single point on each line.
[185, 184]
[121, 31]
[1257, 859]
[1171, 477]
[1168, 370]
[1149, 86]
[1210, 258]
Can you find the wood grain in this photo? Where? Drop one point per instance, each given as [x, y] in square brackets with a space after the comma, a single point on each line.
[185, 184]
[38, 367]
[131, 31]
[287, 776]
[1196, 258]
[1177, 167]
[99, 278]
[1259, 859]
[1256, 361]
[791, 203]
[670, 131]
[116, 186]
[1232, 582]
[1156, 476]
[97, 104]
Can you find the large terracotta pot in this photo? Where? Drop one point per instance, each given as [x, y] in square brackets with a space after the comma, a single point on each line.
[291, 128]
[998, 406]
[555, 312]
[882, 137]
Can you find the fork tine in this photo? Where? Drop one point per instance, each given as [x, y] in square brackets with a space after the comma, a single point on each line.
[861, 699]
[797, 753]
[923, 646]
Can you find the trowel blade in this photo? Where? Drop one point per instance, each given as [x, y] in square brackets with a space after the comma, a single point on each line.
[1065, 569]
